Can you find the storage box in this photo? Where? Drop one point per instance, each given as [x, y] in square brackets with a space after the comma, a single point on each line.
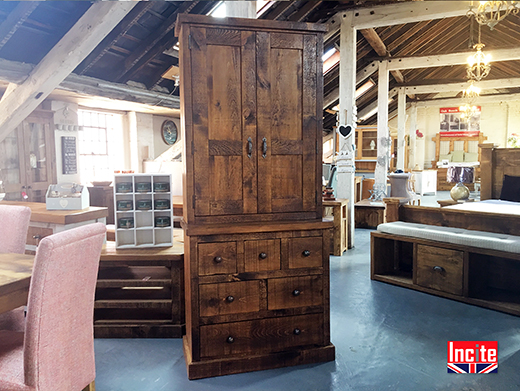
[67, 196]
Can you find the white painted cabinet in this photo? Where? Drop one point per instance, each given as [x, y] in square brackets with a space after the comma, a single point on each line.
[143, 209]
[425, 181]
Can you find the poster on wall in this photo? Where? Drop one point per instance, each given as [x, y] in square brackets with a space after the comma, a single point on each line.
[452, 120]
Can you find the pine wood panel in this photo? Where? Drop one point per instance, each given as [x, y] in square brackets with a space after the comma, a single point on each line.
[229, 298]
[439, 268]
[260, 336]
[294, 292]
[217, 258]
[254, 255]
[298, 256]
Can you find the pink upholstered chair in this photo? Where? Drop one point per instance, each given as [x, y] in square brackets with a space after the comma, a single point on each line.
[13, 235]
[56, 352]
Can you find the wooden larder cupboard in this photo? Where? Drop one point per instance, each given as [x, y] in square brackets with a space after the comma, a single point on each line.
[252, 124]
[256, 248]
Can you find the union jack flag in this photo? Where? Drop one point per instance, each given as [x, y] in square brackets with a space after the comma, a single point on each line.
[472, 368]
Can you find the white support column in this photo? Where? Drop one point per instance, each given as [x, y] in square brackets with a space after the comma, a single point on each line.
[347, 101]
[413, 135]
[241, 9]
[401, 128]
[383, 137]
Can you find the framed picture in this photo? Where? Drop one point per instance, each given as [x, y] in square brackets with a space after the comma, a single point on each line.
[452, 119]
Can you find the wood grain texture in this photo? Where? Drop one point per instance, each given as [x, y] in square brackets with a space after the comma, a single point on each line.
[254, 255]
[295, 292]
[305, 252]
[260, 336]
[15, 277]
[40, 214]
[229, 298]
[440, 269]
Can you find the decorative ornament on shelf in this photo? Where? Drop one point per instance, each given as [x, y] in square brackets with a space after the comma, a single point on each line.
[489, 13]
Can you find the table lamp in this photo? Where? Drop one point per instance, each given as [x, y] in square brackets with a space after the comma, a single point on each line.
[460, 176]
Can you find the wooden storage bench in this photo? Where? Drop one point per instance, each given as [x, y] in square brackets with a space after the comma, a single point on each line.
[140, 293]
[485, 273]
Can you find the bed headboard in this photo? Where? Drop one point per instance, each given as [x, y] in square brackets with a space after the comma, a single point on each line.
[495, 163]
[447, 144]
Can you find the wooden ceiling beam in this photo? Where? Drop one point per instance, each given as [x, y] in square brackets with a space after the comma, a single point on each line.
[274, 12]
[15, 19]
[451, 87]
[148, 49]
[491, 98]
[110, 40]
[59, 62]
[16, 72]
[394, 14]
[304, 11]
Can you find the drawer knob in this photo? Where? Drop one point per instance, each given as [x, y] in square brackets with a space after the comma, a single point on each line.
[230, 339]
[296, 292]
[217, 259]
[439, 269]
[263, 255]
[297, 331]
[230, 299]
[306, 253]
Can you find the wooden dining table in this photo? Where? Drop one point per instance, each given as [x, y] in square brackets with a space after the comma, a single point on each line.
[15, 278]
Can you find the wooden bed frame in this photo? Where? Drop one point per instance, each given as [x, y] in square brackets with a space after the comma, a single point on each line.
[442, 184]
[495, 163]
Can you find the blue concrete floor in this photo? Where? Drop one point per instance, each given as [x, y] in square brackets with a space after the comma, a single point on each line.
[386, 338]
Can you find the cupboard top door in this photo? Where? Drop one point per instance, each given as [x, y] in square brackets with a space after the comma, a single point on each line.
[289, 125]
[253, 125]
[223, 121]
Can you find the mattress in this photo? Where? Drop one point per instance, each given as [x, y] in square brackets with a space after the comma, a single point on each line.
[489, 206]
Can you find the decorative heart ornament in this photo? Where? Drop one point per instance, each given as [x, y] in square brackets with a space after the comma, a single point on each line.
[64, 203]
[345, 130]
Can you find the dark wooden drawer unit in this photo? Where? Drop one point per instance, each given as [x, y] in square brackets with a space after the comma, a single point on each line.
[140, 293]
[440, 269]
[273, 300]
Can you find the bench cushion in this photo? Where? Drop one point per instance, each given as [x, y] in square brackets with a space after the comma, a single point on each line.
[460, 236]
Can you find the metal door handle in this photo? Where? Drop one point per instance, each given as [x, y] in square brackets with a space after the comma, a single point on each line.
[249, 147]
[264, 147]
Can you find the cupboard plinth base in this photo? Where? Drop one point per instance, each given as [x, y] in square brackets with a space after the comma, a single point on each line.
[233, 365]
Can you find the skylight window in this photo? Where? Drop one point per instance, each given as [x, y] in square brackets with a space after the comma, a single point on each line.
[219, 11]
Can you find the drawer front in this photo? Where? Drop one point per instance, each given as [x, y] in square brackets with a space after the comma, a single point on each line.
[35, 234]
[261, 255]
[229, 298]
[305, 252]
[261, 336]
[440, 269]
[294, 292]
[217, 258]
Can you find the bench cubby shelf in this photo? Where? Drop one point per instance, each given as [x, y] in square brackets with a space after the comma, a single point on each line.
[478, 276]
[144, 230]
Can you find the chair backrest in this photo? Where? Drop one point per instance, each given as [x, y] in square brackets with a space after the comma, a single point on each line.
[14, 223]
[59, 334]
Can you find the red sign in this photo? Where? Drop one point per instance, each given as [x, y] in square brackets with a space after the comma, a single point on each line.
[453, 110]
[472, 356]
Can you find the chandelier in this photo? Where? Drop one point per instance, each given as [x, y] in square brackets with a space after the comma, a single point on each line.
[491, 12]
[469, 95]
[478, 63]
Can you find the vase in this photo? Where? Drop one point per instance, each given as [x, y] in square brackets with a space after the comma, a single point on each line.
[459, 192]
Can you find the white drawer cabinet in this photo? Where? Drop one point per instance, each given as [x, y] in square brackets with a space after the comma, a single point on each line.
[425, 181]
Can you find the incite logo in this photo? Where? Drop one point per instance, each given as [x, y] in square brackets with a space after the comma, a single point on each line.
[472, 356]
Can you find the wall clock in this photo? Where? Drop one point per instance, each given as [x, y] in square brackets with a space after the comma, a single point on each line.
[169, 132]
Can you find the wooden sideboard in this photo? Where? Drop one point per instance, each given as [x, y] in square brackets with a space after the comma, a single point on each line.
[140, 292]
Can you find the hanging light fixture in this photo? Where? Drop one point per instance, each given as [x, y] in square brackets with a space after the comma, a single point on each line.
[478, 63]
[469, 95]
[491, 12]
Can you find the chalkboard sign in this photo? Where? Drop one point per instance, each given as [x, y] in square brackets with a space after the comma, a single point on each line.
[68, 155]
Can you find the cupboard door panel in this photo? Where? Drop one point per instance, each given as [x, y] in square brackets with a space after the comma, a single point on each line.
[224, 122]
[287, 133]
